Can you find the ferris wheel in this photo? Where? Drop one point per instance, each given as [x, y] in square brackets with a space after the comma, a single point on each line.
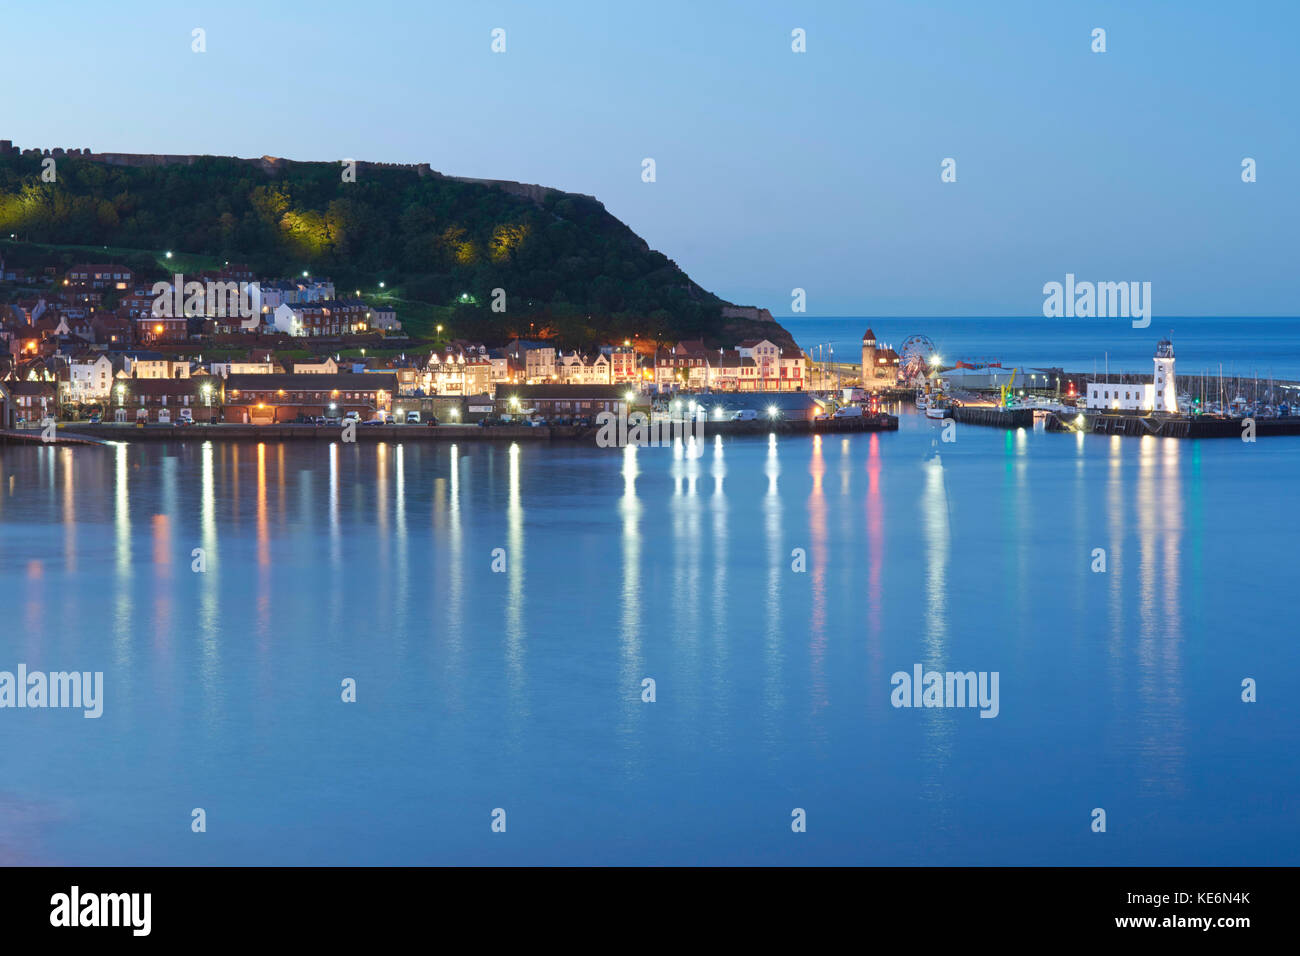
[914, 357]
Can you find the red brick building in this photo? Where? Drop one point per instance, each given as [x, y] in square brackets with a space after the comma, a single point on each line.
[268, 399]
[88, 283]
[155, 329]
[161, 400]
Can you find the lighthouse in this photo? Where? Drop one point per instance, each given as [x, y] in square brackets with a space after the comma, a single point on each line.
[1165, 398]
[868, 357]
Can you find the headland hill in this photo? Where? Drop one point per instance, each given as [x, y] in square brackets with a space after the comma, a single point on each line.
[431, 246]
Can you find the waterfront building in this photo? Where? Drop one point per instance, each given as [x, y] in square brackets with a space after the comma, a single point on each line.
[794, 370]
[33, 400]
[772, 365]
[266, 399]
[465, 368]
[753, 365]
[539, 364]
[578, 369]
[160, 400]
[622, 363]
[686, 365]
[555, 400]
[1160, 394]
[879, 363]
[153, 365]
[729, 371]
[506, 369]
[90, 377]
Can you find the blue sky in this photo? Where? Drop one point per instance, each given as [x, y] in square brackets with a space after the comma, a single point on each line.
[775, 170]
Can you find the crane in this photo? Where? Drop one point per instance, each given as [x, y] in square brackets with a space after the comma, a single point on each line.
[1009, 389]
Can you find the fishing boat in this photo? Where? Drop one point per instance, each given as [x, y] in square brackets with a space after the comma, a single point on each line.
[938, 408]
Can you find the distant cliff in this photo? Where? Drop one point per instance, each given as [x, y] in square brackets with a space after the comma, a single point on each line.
[562, 261]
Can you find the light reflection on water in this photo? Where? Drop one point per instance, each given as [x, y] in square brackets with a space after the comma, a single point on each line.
[523, 689]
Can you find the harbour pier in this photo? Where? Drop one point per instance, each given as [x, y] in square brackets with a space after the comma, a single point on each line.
[1168, 426]
[994, 416]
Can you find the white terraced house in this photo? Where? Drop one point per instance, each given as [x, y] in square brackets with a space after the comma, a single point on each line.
[90, 378]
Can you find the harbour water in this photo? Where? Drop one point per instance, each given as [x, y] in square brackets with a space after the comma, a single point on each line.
[521, 689]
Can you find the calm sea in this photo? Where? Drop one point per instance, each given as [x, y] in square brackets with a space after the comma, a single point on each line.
[521, 689]
[1245, 347]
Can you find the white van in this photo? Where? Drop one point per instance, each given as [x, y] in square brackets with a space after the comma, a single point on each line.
[412, 418]
[848, 411]
[744, 415]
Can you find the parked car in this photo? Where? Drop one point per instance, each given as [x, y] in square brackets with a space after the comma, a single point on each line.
[390, 420]
[412, 418]
[95, 419]
[352, 417]
[331, 420]
[744, 415]
[372, 421]
[432, 421]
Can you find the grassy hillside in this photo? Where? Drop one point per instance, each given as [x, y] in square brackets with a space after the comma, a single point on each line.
[439, 246]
